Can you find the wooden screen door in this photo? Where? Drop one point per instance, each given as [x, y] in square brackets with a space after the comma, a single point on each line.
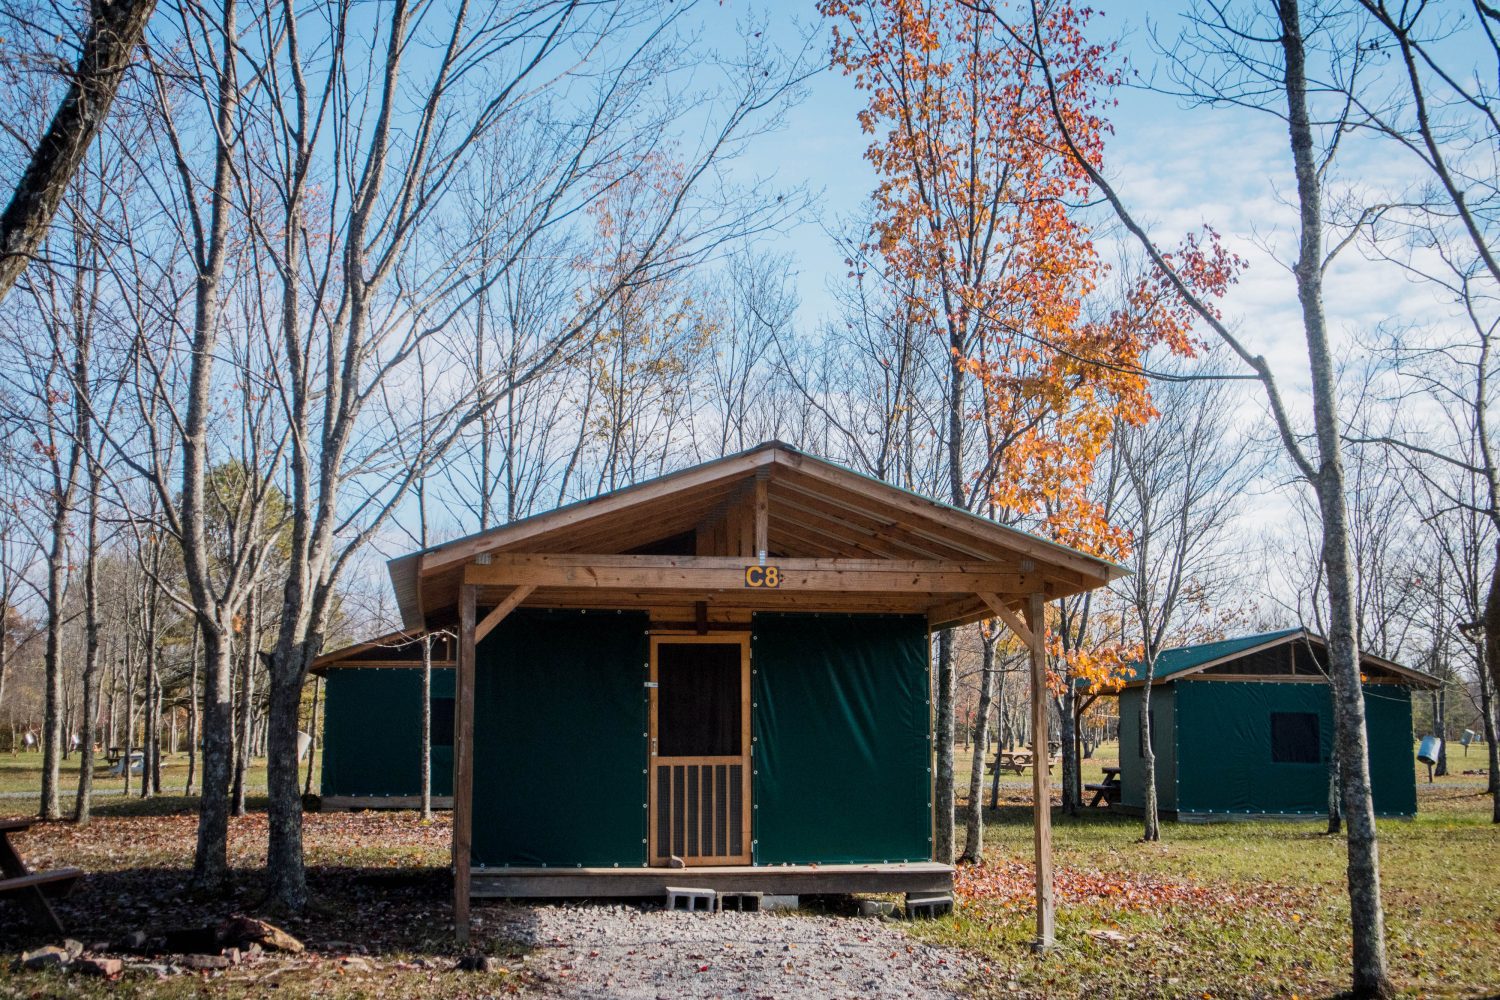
[700, 749]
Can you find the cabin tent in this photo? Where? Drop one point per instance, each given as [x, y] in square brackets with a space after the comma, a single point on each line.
[726, 668]
[372, 725]
[1244, 727]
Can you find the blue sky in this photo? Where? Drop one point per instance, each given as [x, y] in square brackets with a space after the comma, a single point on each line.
[1179, 168]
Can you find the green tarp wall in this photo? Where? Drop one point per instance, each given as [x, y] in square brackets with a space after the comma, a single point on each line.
[842, 755]
[1163, 742]
[1224, 760]
[560, 740]
[372, 732]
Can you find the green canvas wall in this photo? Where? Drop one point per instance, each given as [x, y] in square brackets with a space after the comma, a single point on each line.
[560, 740]
[1163, 742]
[1224, 749]
[1393, 760]
[372, 732]
[842, 755]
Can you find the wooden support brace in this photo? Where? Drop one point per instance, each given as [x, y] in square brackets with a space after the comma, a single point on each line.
[498, 613]
[1010, 618]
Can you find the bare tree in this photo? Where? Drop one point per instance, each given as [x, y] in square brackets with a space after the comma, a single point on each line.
[1257, 56]
[1181, 480]
[973, 851]
[343, 356]
[115, 29]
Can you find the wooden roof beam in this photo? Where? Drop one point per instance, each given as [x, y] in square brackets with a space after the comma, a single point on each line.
[613, 572]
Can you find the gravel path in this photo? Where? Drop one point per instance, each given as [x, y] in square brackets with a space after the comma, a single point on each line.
[629, 953]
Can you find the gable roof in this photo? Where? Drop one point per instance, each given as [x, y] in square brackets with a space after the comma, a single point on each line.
[398, 648]
[1182, 661]
[816, 509]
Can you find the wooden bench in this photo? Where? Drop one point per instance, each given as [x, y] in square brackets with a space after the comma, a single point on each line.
[17, 880]
[29, 888]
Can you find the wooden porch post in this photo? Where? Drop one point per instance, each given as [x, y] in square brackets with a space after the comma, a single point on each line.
[1041, 774]
[463, 761]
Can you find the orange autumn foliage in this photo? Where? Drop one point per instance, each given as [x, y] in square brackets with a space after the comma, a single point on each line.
[976, 213]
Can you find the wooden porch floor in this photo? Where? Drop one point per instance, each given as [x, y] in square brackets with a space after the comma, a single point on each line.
[788, 880]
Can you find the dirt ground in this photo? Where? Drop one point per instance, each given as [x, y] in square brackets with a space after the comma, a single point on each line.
[381, 927]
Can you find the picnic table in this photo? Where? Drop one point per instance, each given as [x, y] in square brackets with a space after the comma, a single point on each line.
[1020, 760]
[18, 880]
[1106, 792]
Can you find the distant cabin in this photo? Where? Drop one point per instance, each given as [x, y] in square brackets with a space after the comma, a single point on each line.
[372, 724]
[1244, 727]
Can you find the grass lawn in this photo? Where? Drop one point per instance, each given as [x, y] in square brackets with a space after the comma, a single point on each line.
[22, 773]
[1235, 909]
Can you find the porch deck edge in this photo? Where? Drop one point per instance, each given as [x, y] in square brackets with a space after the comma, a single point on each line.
[790, 880]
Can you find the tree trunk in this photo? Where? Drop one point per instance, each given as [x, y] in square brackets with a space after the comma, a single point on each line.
[1370, 975]
[1440, 727]
[947, 682]
[943, 811]
[52, 675]
[1151, 830]
[1072, 787]
[211, 857]
[1487, 724]
[114, 31]
[111, 738]
[1335, 811]
[147, 735]
[427, 727]
[192, 734]
[84, 802]
[286, 877]
[245, 744]
[1001, 736]
[157, 702]
[974, 819]
[312, 736]
[129, 723]
[1487, 710]
[1492, 625]
[4, 647]
[236, 684]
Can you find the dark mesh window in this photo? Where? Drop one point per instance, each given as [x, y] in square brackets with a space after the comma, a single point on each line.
[442, 722]
[1294, 738]
[698, 699]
